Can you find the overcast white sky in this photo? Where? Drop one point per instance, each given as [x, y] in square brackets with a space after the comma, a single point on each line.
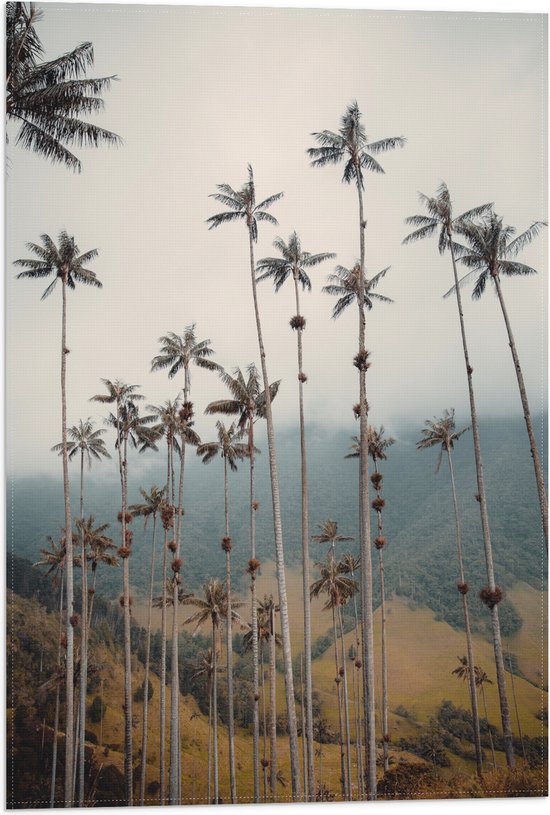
[203, 91]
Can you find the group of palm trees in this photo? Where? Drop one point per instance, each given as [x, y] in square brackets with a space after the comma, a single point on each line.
[47, 98]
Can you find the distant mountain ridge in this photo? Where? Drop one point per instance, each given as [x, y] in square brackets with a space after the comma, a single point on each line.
[418, 520]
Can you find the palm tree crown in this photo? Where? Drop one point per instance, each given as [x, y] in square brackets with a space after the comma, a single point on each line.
[441, 432]
[248, 400]
[329, 534]
[351, 145]
[294, 261]
[227, 446]
[440, 218]
[345, 284]
[179, 352]
[63, 261]
[491, 245]
[83, 437]
[334, 582]
[213, 608]
[47, 98]
[242, 206]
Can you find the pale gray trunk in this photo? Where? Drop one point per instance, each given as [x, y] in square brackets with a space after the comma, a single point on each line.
[264, 721]
[495, 622]
[338, 678]
[489, 728]
[162, 736]
[346, 703]
[84, 640]
[367, 622]
[272, 708]
[469, 644]
[209, 788]
[229, 648]
[215, 713]
[147, 660]
[303, 716]
[69, 667]
[526, 414]
[174, 680]
[128, 750]
[57, 695]
[254, 618]
[309, 771]
[279, 549]
[385, 727]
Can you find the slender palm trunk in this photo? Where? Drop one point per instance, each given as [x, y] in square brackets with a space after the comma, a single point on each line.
[209, 801]
[162, 734]
[384, 655]
[272, 708]
[495, 621]
[254, 619]
[303, 716]
[69, 668]
[84, 640]
[229, 646]
[279, 547]
[57, 699]
[265, 763]
[367, 623]
[309, 771]
[526, 413]
[128, 750]
[174, 682]
[467, 627]
[147, 661]
[338, 680]
[215, 712]
[520, 734]
[346, 702]
[488, 727]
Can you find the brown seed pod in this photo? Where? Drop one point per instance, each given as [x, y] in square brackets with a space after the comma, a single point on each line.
[463, 588]
[186, 411]
[341, 671]
[378, 504]
[361, 360]
[74, 620]
[226, 543]
[265, 763]
[63, 640]
[377, 479]
[176, 565]
[256, 697]
[358, 663]
[302, 377]
[167, 516]
[255, 505]
[124, 552]
[337, 679]
[128, 517]
[357, 409]
[91, 591]
[470, 370]
[380, 541]
[121, 600]
[477, 496]
[173, 546]
[253, 566]
[298, 323]
[386, 737]
[129, 537]
[491, 598]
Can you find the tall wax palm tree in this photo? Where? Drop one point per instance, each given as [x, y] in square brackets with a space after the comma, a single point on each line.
[335, 582]
[352, 565]
[99, 548]
[213, 609]
[150, 507]
[294, 262]
[231, 451]
[54, 558]
[206, 669]
[241, 206]
[480, 677]
[440, 221]
[442, 433]
[489, 254]
[267, 609]
[47, 99]
[65, 263]
[88, 441]
[132, 429]
[177, 353]
[351, 146]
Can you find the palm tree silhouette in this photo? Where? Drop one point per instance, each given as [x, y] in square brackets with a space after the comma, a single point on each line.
[481, 679]
[241, 206]
[231, 450]
[47, 98]
[88, 441]
[64, 262]
[345, 284]
[132, 429]
[440, 220]
[151, 506]
[351, 146]
[177, 353]
[294, 263]
[442, 433]
[491, 247]
[335, 582]
[213, 609]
